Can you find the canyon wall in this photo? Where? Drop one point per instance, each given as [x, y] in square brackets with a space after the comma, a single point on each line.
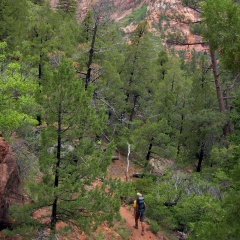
[156, 11]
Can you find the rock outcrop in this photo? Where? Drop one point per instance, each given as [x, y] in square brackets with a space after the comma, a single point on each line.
[167, 9]
[11, 191]
[157, 13]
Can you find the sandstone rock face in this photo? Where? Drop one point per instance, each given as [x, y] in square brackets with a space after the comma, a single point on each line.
[156, 9]
[11, 191]
[122, 7]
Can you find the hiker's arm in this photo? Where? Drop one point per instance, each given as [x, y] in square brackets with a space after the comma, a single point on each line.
[134, 208]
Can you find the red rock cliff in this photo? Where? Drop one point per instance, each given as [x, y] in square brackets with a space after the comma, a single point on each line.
[11, 191]
[156, 9]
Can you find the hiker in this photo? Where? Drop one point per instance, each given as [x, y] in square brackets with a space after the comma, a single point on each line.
[139, 211]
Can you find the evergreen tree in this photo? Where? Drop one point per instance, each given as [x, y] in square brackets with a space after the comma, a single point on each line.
[222, 220]
[87, 24]
[48, 33]
[100, 58]
[70, 160]
[17, 95]
[170, 103]
[212, 27]
[13, 15]
[152, 140]
[222, 22]
[136, 73]
[96, 25]
[43, 22]
[162, 63]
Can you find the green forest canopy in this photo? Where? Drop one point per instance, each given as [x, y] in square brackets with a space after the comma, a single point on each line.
[81, 86]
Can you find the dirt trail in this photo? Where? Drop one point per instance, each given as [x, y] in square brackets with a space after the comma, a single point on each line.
[136, 233]
[118, 170]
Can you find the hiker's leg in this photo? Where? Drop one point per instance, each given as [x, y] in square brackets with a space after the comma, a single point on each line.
[136, 219]
[142, 223]
[136, 222]
[143, 226]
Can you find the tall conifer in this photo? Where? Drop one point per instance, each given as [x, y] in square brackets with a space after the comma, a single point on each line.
[70, 159]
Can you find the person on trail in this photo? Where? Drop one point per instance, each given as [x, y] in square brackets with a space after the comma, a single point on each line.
[139, 211]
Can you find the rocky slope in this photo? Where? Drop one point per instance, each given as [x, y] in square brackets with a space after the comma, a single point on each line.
[161, 9]
[157, 12]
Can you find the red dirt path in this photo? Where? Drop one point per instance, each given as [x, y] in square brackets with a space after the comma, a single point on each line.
[116, 170]
[136, 233]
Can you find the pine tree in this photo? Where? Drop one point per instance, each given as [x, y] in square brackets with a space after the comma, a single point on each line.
[48, 33]
[43, 22]
[161, 62]
[71, 160]
[96, 26]
[13, 22]
[136, 73]
[17, 95]
[100, 59]
[87, 24]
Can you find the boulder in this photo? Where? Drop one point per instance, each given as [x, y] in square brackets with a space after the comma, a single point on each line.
[11, 191]
[160, 164]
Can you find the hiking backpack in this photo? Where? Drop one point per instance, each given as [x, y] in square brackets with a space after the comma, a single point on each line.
[140, 205]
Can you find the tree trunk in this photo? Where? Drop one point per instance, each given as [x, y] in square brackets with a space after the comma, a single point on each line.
[222, 108]
[149, 152]
[181, 130]
[227, 127]
[110, 116]
[129, 149]
[40, 64]
[217, 82]
[91, 53]
[200, 158]
[39, 72]
[54, 215]
[56, 180]
[133, 108]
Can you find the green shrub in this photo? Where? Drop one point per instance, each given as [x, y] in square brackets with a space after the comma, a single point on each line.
[136, 15]
[144, 185]
[100, 235]
[123, 231]
[154, 227]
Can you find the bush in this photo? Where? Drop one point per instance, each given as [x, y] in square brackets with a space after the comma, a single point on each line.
[136, 16]
[144, 185]
[123, 232]
[154, 227]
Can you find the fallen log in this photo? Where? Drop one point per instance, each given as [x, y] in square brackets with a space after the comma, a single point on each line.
[169, 204]
[138, 175]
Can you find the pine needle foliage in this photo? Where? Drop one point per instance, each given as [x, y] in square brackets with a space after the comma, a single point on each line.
[70, 160]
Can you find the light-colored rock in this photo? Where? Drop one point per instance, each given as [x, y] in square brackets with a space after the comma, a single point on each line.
[160, 164]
